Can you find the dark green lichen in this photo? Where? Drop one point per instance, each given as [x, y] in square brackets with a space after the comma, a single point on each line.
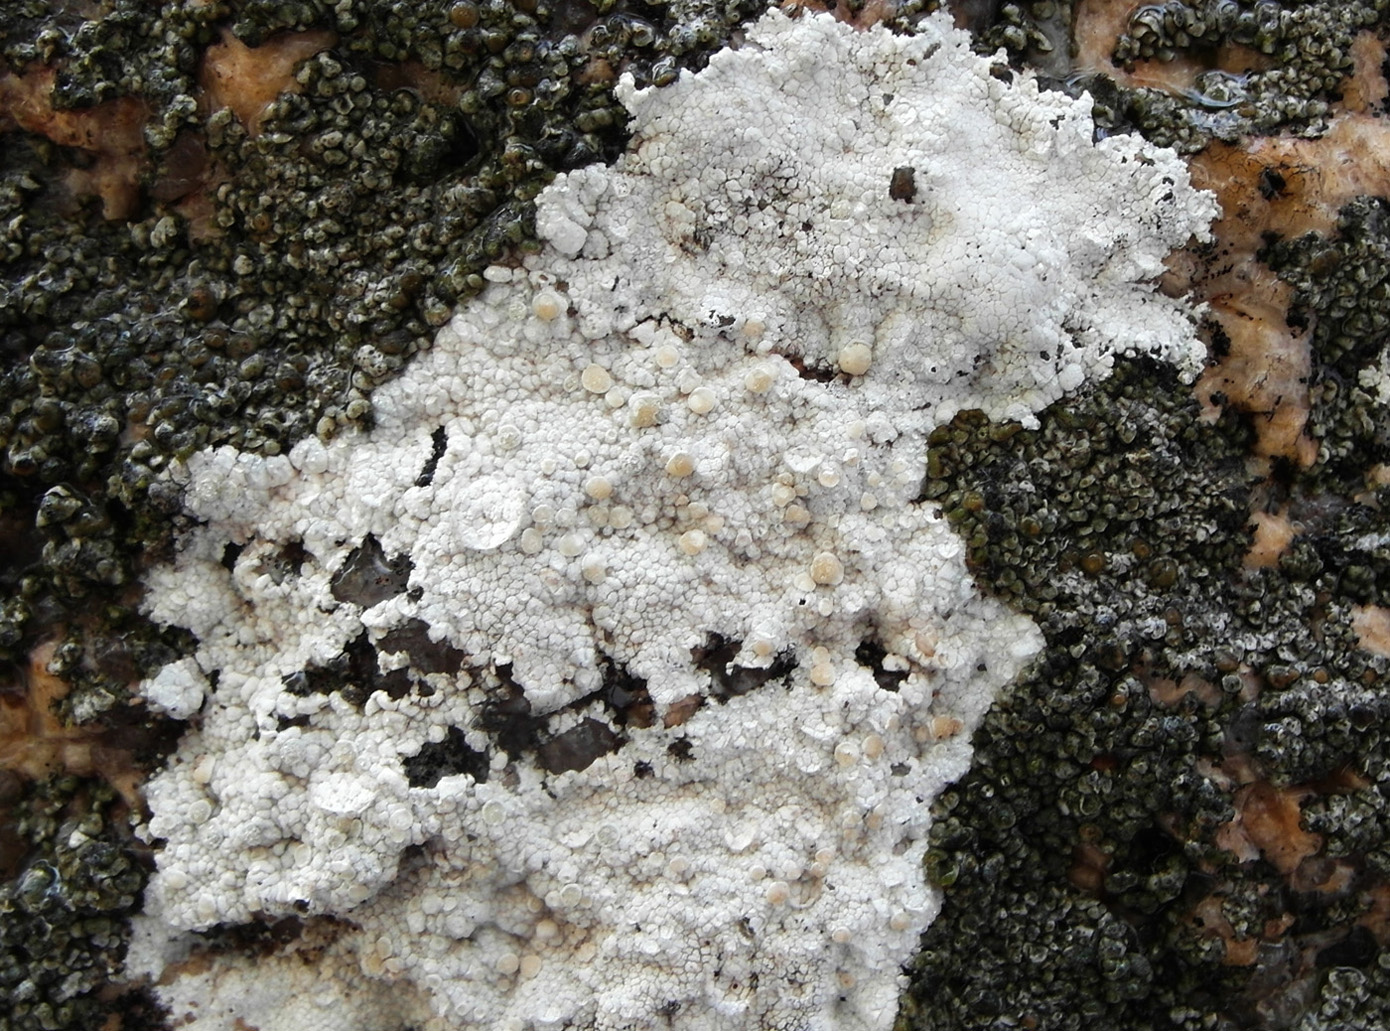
[1036, 33]
[1083, 853]
[1341, 287]
[1297, 57]
[268, 282]
[74, 875]
[257, 282]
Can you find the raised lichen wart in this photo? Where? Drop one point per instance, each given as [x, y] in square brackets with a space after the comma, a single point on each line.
[1037, 33]
[73, 876]
[1177, 820]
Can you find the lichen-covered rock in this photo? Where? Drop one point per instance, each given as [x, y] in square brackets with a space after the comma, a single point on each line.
[603, 683]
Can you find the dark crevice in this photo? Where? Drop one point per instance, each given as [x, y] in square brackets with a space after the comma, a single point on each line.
[870, 654]
[368, 577]
[576, 748]
[814, 373]
[507, 718]
[354, 674]
[439, 440]
[716, 657]
[230, 554]
[426, 655]
[445, 758]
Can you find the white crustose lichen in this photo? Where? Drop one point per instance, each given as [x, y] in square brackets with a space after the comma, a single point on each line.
[712, 656]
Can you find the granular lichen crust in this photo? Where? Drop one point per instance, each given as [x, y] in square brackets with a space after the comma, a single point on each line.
[187, 260]
[604, 681]
[74, 877]
[1178, 820]
[1259, 67]
[1180, 811]
[1340, 287]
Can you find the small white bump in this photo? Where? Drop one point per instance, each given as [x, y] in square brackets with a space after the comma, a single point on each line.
[760, 378]
[644, 411]
[596, 379]
[827, 569]
[701, 400]
[855, 358]
[680, 465]
[692, 542]
[547, 306]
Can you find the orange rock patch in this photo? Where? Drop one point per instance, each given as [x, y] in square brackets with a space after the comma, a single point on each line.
[247, 79]
[1100, 23]
[35, 743]
[112, 132]
[1372, 626]
[1269, 818]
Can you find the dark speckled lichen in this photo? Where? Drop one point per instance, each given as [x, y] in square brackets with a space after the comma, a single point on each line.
[1036, 32]
[1087, 858]
[1341, 288]
[1298, 60]
[74, 876]
[268, 281]
[1299, 55]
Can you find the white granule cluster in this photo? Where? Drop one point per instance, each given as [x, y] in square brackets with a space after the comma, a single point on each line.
[607, 681]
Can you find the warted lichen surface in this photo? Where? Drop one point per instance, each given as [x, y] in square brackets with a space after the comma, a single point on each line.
[162, 168]
[655, 650]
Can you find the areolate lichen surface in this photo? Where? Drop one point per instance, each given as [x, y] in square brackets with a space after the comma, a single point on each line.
[605, 682]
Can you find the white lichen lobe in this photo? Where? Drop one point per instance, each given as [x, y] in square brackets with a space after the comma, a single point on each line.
[712, 657]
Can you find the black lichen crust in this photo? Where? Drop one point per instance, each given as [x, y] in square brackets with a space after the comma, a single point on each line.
[1342, 290]
[1296, 58]
[74, 876]
[1092, 861]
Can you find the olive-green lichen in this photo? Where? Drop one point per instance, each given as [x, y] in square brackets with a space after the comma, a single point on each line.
[74, 877]
[1341, 288]
[1086, 860]
[1295, 61]
[1036, 33]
